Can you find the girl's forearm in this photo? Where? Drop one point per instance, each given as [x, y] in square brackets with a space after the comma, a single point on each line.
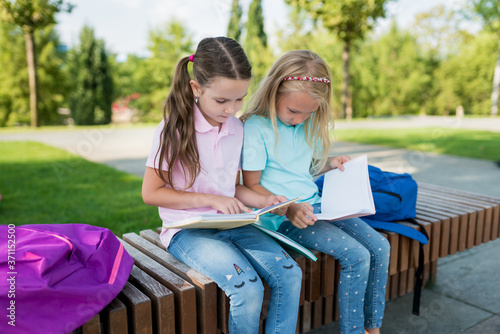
[177, 199]
[250, 197]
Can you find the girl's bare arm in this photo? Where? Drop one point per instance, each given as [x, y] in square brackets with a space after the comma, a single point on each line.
[155, 193]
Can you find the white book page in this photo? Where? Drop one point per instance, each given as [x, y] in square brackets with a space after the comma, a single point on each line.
[347, 193]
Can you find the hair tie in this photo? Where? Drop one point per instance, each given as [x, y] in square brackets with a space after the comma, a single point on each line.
[324, 80]
[191, 58]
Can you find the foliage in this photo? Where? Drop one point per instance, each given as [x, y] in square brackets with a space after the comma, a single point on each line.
[32, 15]
[14, 89]
[489, 12]
[151, 77]
[234, 26]
[391, 76]
[73, 190]
[465, 78]
[350, 20]
[440, 31]
[256, 47]
[92, 90]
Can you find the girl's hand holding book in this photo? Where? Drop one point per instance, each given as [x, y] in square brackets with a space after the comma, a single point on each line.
[301, 214]
[274, 199]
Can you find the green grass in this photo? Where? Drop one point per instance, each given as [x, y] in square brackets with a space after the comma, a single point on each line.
[459, 142]
[41, 184]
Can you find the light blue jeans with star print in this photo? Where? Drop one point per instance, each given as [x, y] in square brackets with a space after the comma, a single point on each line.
[364, 257]
[237, 259]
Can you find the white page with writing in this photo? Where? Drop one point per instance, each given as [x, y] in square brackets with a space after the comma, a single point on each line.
[347, 193]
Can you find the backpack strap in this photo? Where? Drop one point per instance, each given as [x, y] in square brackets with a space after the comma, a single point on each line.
[419, 273]
[407, 231]
[422, 237]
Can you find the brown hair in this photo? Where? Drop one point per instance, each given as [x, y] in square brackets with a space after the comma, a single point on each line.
[214, 57]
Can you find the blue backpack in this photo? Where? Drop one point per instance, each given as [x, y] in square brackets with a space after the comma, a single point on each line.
[395, 195]
[395, 199]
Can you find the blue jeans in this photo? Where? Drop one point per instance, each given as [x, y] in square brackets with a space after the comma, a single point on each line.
[364, 257]
[237, 259]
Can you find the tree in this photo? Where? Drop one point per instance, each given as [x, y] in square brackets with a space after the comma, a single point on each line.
[151, 77]
[92, 94]
[464, 78]
[439, 31]
[32, 15]
[489, 12]
[234, 25]
[14, 88]
[392, 76]
[256, 42]
[350, 20]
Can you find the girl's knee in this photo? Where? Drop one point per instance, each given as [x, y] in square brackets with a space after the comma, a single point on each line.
[384, 248]
[293, 280]
[290, 279]
[357, 256]
[248, 295]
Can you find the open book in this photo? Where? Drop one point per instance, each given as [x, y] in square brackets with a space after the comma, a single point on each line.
[222, 221]
[347, 194]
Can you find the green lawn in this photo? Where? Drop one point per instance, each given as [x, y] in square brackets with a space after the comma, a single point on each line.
[41, 184]
[459, 142]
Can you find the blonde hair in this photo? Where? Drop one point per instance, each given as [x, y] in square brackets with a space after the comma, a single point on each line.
[300, 63]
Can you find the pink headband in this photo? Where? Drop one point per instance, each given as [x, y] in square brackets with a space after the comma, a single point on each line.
[324, 80]
[191, 58]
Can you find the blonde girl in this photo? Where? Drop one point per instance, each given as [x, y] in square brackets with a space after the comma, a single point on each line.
[286, 143]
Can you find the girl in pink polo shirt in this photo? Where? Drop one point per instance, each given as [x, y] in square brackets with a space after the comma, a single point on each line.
[194, 169]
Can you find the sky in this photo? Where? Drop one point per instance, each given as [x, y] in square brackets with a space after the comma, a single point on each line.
[124, 24]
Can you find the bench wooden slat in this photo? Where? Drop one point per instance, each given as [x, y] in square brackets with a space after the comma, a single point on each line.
[495, 202]
[453, 206]
[444, 234]
[162, 300]
[300, 259]
[184, 292]
[114, 316]
[456, 214]
[223, 311]
[327, 275]
[138, 309]
[478, 204]
[306, 319]
[313, 278]
[328, 309]
[317, 313]
[93, 326]
[403, 283]
[206, 289]
[394, 285]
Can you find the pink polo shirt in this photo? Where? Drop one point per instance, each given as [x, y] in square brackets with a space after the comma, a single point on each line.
[220, 162]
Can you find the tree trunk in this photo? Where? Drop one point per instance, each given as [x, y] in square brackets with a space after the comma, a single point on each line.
[33, 78]
[496, 82]
[346, 111]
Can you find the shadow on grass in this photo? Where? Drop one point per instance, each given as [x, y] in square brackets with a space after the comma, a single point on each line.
[44, 185]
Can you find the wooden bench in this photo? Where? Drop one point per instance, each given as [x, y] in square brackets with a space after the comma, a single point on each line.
[163, 295]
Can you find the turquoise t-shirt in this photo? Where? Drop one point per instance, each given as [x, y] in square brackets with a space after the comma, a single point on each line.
[285, 170]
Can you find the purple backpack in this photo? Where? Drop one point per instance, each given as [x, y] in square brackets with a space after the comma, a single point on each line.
[54, 278]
